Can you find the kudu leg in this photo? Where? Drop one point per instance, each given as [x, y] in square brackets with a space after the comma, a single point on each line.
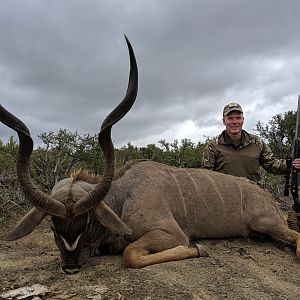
[157, 247]
[277, 229]
[295, 236]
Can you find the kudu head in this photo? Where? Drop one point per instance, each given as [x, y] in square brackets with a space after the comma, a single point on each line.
[70, 208]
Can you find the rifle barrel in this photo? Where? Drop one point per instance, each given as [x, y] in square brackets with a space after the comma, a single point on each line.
[298, 120]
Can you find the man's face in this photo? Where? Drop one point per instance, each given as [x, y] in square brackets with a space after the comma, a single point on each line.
[234, 122]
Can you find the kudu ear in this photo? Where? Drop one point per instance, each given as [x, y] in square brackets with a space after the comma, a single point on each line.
[25, 226]
[109, 219]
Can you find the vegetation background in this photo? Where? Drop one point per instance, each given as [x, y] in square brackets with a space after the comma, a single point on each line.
[62, 152]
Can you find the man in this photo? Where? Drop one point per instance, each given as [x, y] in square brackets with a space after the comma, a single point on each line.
[239, 153]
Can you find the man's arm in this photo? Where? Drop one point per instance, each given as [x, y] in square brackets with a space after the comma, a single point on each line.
[270, 163]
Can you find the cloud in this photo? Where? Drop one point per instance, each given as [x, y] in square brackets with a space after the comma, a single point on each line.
[64, 64]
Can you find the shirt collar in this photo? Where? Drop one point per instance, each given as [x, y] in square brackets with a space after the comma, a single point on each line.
[226, 140]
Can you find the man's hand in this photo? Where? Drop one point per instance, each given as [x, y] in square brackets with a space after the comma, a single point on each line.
[296, 163]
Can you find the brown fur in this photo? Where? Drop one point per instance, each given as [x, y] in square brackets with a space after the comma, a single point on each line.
[120, 172]
[84, 175]
[167, 207]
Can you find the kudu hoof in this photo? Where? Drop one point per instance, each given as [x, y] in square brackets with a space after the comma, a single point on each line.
[202, 251]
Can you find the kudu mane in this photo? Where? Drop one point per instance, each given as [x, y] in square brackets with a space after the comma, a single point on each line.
[84, 175]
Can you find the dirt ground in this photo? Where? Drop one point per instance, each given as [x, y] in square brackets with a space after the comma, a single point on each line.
[255, 268]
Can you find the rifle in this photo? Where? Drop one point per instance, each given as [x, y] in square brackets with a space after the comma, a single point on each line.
[292, 171]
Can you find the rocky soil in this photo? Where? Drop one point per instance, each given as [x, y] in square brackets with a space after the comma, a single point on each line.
[255, 268]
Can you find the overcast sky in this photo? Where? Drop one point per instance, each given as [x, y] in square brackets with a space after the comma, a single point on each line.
[64, 64]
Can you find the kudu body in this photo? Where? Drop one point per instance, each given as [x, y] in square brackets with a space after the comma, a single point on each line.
[151, 213]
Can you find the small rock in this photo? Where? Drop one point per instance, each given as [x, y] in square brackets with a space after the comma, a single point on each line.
[26, 292]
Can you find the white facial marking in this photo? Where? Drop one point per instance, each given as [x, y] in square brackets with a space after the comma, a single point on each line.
[73, 246]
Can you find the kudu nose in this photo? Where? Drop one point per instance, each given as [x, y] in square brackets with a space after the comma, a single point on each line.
[71, 269]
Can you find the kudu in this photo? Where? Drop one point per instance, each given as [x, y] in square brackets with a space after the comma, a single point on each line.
[151, 213]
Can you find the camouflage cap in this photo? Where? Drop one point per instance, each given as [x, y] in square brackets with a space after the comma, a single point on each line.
[231, 107]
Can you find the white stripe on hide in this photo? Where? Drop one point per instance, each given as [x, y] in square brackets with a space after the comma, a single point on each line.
[73, 246]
